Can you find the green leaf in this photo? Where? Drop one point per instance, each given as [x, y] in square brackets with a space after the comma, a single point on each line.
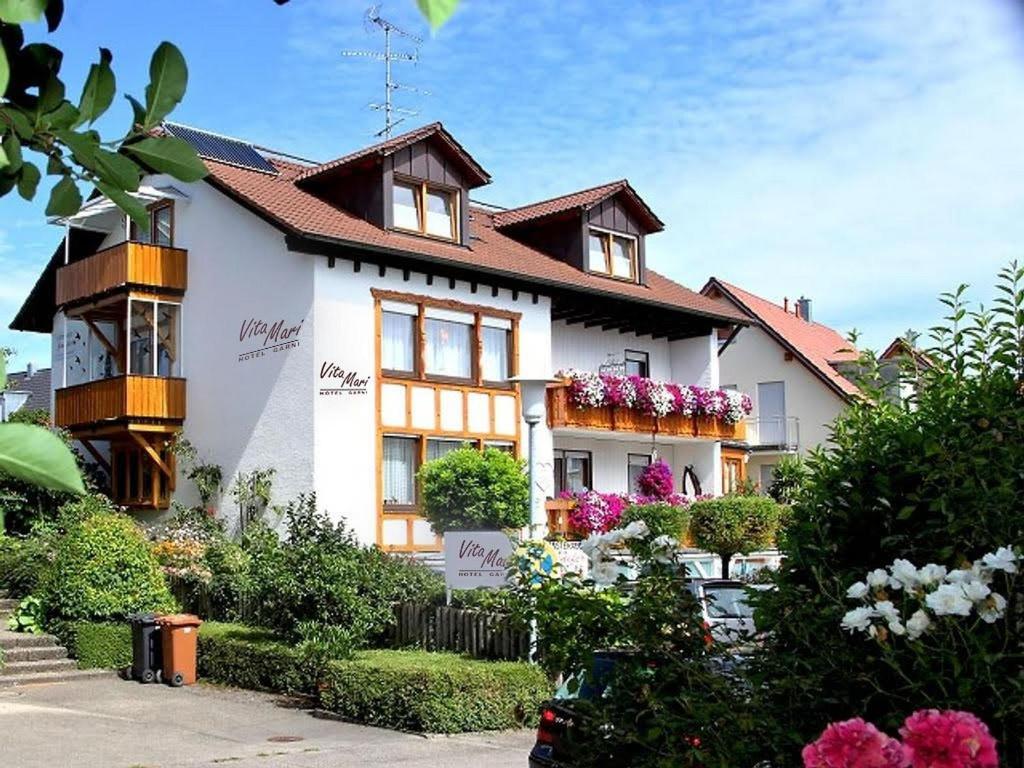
[20, 11]
[82, 145]
[169, 154]
[138, 111]
[65, 199]
[54, 14]
[98, 91]
[117, 170]
[168, 77]
[13, 115]
[54, 166]
[51, 94]
[126, 203]
[437, 11]
[4, 162]
[38, 456]
[5, 71]
[64, 116]
[29, 181]
[12, 150]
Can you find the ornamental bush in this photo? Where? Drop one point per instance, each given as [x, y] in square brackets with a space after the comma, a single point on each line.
[96, 645]
[734, 524]
[468, 489]
[662, 518]
[103, 569]
[233, 654]
[935, 481]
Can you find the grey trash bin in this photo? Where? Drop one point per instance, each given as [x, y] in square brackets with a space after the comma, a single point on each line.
[147, 649]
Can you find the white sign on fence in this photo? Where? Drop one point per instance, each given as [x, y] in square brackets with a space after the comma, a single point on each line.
[476, 559]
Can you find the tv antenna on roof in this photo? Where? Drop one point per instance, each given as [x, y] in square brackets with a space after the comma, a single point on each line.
[392, 115]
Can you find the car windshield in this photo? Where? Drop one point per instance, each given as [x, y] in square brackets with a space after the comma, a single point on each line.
[727, 602]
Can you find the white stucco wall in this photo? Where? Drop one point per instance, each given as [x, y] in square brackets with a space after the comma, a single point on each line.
[695, 361]
[245, 411]
[573, 346]
[754, 357]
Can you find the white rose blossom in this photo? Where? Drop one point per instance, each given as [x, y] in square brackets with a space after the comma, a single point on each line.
[1003, 559]
[918, 624]
[948, 600]
[975, 591]
[904, 575]
[858, 620]
[931, 574]
[857, 591]
[878, 578]
[993, 608]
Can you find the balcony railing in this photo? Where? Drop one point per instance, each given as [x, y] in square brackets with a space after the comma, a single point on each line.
[123, 265]
[779, 433]
[121, 398]
[563, 414]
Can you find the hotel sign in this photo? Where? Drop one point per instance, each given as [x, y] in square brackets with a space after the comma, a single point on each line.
[475, 559]
[261, 337]
[337, 380]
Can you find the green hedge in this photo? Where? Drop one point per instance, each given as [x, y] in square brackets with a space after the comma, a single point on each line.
[405, 690]
[433, 692]
[103, 645]
[237, 655]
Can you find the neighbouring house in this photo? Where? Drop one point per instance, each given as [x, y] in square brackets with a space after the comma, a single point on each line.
[344, 322]
[28, 390]
[793, 368]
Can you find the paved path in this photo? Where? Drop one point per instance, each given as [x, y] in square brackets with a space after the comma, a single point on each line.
[110, 722]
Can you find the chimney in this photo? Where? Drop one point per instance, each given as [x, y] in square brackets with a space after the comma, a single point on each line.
[804, 308]
[785, 303]
[30, 370]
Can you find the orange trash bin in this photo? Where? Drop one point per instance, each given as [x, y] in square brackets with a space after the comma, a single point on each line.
[179, 632]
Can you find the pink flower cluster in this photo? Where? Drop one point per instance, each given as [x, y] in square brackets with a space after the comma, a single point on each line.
[597, 512]
[931, 739]
[656, 480]
[655, 398]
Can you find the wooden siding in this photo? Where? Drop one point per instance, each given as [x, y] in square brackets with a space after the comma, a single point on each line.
[612, 214]
[561, 413]
[120, 398]
[125, 264]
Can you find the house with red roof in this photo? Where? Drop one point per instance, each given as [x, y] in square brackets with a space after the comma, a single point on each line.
[344, 322]
[793, 368]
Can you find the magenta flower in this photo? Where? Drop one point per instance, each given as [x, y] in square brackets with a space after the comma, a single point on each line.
[948, 739]
[854, 744]
[596, 512]
[656, 481]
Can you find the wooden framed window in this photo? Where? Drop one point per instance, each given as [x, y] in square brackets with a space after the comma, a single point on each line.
[400, 462]
[636, 463]
[612, 254]
[398, 339]
[573, 471]
[161, 225]
[637, 363]
[154, 338]
[425, 209]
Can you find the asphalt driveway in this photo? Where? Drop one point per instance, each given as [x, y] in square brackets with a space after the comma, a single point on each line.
[107, 721]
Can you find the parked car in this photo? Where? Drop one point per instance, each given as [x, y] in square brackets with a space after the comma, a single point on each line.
[726, 611]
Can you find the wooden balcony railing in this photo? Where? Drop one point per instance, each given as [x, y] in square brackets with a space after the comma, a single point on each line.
[126, 264]
[558, 518]
[562, 414]
[120, 398]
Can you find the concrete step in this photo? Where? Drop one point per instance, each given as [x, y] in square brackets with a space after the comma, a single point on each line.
[34, 653]
[39, 678]
[9, 640]
[34, 667]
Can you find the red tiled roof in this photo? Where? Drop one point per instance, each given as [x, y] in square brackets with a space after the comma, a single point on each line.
[817, 345]
[400, 142]
[585, 198]
[298, 211]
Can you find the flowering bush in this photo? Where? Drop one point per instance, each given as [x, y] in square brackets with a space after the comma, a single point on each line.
[929, 592]
[854, 744]
[596, 512]
[931, 739]
[656, 481]
[654, 398]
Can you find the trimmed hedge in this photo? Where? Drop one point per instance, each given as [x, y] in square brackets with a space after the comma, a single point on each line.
[237, 655]
[102, 645]
[433, 692]
[405, 690]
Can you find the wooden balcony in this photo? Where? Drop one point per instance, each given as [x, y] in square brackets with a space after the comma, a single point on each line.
[562, 414]
[123, 399]
[126, 265]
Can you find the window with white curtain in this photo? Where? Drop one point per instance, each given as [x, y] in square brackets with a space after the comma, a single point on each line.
[425, 208]
[449, 348]
[399, 470]
[436, 448]
[398, 342]
[440, 213]
[406, 208]
[612, 254]
[494, 353]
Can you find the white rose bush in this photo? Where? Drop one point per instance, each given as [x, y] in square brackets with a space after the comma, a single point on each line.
[906, 601]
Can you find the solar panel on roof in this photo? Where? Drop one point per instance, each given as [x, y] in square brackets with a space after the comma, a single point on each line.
[221, 148]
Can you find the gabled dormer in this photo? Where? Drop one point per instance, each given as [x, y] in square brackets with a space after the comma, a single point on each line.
[599, 230]
[417, 183]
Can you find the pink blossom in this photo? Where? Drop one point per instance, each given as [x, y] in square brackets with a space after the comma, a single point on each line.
[656, 481]
[596, 512]
[853, 744]
[948, 739]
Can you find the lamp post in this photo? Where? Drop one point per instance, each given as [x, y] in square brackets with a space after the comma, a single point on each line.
[532, 392]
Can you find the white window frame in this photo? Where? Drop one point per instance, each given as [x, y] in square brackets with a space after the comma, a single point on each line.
[153, 338]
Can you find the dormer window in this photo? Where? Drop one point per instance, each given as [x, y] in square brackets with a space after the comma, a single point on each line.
[612, 254]
[425, 209]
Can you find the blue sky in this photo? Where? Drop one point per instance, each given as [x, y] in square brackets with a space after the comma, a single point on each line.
[865, 154]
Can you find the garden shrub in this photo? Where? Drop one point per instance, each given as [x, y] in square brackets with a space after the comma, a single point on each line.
[734, 524]
[938, 481]
[468, 489]
[96, 645]
[103, 569]
[661, 517]
[256, 659]
[23, 561]
[433, 692]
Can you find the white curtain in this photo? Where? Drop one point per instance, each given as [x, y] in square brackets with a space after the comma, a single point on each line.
[399, 469]
[448, 348]
[396, 340]
[494, 363]
[405, 210]
[438, 448]
[439, 213]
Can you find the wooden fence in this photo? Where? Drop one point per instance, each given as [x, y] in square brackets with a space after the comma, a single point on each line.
[480, 634]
